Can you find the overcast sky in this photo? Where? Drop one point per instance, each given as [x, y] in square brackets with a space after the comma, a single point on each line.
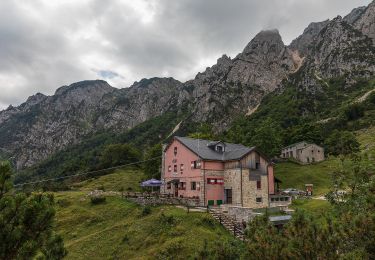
[45, 44]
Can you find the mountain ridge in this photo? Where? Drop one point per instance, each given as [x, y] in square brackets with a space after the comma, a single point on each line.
[335, 48]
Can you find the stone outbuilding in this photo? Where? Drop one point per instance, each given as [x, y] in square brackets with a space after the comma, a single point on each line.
[303, 152]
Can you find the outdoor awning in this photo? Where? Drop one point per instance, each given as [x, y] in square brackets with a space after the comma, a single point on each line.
[152, 183]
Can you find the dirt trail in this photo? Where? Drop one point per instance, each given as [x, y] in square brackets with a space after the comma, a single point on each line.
[94, 234]
[321, 79]
[251, 111]
[364, 97]
[175, 129]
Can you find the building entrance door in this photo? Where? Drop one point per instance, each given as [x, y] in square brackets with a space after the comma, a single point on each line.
[176, 189]
[228, 196]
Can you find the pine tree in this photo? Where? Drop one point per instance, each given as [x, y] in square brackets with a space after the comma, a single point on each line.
[26, 223]
[263, 239]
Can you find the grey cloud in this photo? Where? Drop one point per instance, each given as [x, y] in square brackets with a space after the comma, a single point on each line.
[46, 44]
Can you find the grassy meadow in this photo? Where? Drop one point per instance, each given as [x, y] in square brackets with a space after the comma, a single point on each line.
[119, 229]
[128, 179]
[294, 175]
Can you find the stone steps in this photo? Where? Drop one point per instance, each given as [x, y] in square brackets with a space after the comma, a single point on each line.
[228, 222]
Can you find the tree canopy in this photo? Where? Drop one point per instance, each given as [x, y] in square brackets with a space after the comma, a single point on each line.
[26, 223]
[153, 161]
[347, 231]
[268, 138]
[118, 154]
[341, 142]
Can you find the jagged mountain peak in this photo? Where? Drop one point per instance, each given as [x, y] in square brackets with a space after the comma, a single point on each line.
[85, 84]
[366, 21]
[36, 97]
[264, 42]
[155, 81]
[303, 42]
[267, 34]
[354, 15]
[223, 59]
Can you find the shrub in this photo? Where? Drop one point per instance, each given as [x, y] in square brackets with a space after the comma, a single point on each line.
[204, 252]
[208, 221]
[228, 250]
[97, 200]
[167, 220]
[63, 203]
[101, 187]
[371, 98]
[170, 250]
[354, 111]
[125, 239]
[146, 211]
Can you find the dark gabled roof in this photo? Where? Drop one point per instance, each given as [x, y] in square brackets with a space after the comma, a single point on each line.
[291, 145]
[295, 144]
[202, 149]
[308, 145]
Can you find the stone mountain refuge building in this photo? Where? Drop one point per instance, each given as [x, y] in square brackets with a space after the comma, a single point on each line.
[304, 152]
[216, 173]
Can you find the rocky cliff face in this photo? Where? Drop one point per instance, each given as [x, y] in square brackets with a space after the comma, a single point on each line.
[238, 85]
[343, 47]
[338, 50]
[125, 108]
[365, 21]
[303, 44]
[46, 124]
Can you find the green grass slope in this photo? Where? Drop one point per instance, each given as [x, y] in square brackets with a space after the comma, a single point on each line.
[294, 175]
[128, 179]
[366, 137]
[119, 229]
[315, 207]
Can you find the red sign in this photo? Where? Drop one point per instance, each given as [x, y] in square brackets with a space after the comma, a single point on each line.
[217, 181]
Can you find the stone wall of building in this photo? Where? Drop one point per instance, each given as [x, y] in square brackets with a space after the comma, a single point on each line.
[310, 154]
[291, 151]
[232, 180]
[246, 194]
[251, 192]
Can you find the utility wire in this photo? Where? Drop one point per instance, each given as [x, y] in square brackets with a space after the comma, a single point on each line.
[101, 170]
[84, 173]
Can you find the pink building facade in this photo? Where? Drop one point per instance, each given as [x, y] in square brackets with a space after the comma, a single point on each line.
[217, 173]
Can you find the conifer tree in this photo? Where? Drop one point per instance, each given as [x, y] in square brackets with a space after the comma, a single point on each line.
[26, 223]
